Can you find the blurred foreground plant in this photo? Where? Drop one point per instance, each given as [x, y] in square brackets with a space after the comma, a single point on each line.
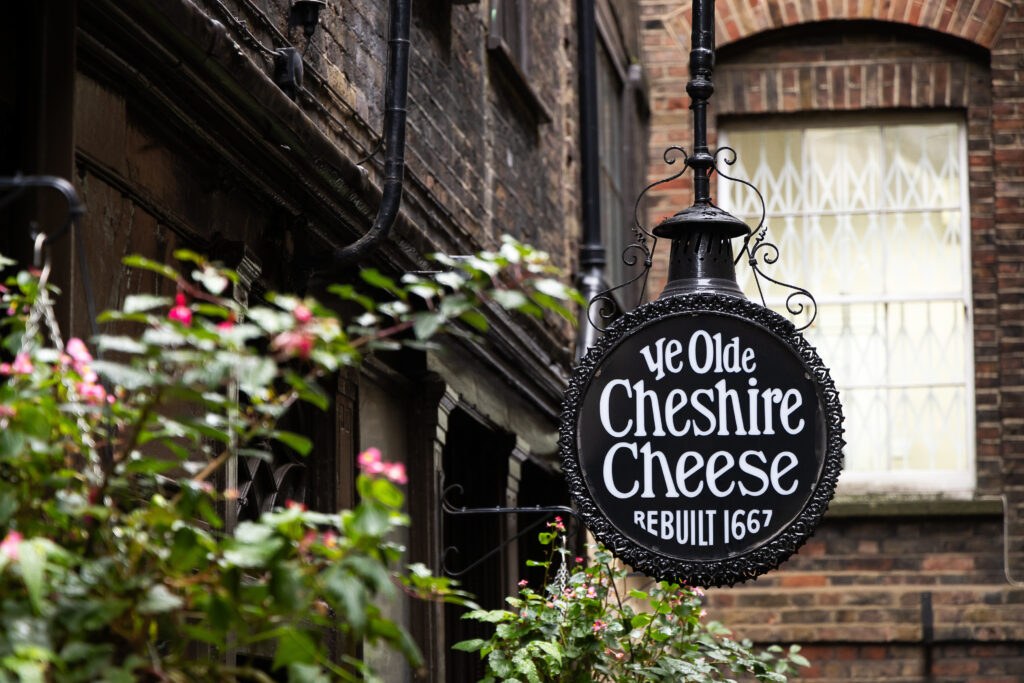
[579, 628]
[115, 564]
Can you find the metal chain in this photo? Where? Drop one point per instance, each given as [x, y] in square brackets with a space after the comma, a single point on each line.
[42, 307]
[562, 575]
[42, 311]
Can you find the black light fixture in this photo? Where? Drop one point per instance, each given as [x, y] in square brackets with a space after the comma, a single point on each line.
[288, 71]
[306, 13]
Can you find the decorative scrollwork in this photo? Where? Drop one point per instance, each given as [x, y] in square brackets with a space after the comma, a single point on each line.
[771, 253]
[451, 509]
[603, 303]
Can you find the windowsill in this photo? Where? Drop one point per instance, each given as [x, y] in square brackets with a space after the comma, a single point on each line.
[912, 505]
[518, 85]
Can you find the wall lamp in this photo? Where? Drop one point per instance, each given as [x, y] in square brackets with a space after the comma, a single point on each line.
[306, 13]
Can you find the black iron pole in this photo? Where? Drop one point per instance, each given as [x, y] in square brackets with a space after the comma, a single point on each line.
[700, 89]
[592, 255]
[701, 258]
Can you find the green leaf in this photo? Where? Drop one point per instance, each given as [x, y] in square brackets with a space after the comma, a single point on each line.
[489, 616]
[297, 442]
[306, 673]
[476, 319]
[159, 599]
[8, 505]
[386, 492]
[136, 261]
[528, 668]
[550, 648]
[349, 597]
[252, 532]
[349, 293]
[286, 586]
[552, 288]
[469, 645]
[255, 373]
[799, 660]
[426, 324]
[139, 303]
[32, 557]
[189, 256]
[640, 620]
[122, 375]
[294, 646]
[121, 344]
[511, 299]
[373, 277]
[11, 443]
[397, 637]
[187, 553]
[212, 279]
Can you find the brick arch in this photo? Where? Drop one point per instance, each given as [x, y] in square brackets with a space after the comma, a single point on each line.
[977, 21]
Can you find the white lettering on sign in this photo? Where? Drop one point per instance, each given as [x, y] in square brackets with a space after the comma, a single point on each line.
[715, 410]
[691, 471]
[698, 527]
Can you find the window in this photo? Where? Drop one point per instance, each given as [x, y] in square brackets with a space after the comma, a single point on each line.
[610, 161]
[620, 121]
[508, 31]
[508, 42]
[872, 218]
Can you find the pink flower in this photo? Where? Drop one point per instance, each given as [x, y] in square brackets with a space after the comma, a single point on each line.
[294, 343]
[22, 364]
[7, 411]
[225, 325]
[302, 313]
[698, 591]
[368, 456]
[181, 311]
[77, 350]
[5, 368]
[9, 546]
[91, 393]
[369, 461]
[523, 583]
[598, 626]
[579, 559]
[396, 473]
[292, 505]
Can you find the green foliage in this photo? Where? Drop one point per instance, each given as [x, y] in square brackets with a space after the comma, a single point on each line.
[115, 564]
[592, 630]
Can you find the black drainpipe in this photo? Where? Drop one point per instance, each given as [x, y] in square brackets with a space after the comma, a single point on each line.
[396, 91]
[592, 259]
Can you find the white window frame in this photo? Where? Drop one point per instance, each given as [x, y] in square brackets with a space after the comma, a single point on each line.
[952, 483]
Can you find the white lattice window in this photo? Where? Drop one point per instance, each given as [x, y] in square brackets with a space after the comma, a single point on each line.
[872, 217]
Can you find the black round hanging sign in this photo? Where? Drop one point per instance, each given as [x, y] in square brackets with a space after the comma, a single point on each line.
[701, 438]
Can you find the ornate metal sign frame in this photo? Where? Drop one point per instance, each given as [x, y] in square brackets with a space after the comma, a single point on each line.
[788, 539]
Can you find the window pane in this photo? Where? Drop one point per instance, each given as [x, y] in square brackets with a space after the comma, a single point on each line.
[871, 219]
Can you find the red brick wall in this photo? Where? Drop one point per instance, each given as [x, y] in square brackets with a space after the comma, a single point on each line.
[856, 593]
